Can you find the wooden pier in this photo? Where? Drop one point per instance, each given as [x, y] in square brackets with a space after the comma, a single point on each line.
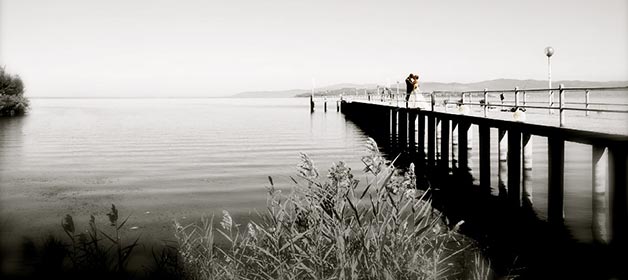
[428, 137]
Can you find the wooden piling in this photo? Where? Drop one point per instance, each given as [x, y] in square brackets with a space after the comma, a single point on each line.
[526, 184]
[514, 167]
[485, 158]
[412, 115]
[444, 146]
[421, 136]
[463, 150]
[431, 140]
[618, 188]
[556, 170]
[600, 226]
[403, 129]
[502, 147]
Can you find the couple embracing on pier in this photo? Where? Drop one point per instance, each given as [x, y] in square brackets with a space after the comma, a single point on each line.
[412, 87]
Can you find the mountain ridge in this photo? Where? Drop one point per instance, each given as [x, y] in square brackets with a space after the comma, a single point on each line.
[495, 84]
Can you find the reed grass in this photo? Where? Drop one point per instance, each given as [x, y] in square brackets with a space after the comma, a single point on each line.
[333, 227]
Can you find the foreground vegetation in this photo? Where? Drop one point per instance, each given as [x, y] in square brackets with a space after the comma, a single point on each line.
[327, 227]
[12, 100]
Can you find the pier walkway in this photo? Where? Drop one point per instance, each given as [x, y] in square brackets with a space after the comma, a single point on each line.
[439, 144]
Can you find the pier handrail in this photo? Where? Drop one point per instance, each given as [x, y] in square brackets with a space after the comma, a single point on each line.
[398, 99]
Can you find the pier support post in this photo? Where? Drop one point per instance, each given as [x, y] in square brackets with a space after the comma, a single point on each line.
[556, 177]
[454, 145]
[600, 208]
[463, 147]
[421, 136]
[412, 131]
[617, 167]
[431, 140]
[393, 127]
[527, 169]
[403, 129]
[444, 146]
[502, 147]
[485, 158]
[514, 167]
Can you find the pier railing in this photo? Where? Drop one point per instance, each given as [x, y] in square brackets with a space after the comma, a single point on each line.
[416, 131]
[557, 99]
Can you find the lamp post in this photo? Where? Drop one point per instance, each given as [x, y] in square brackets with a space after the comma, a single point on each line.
[549, 51]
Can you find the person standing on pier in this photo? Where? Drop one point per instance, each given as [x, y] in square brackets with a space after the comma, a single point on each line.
[411, 84]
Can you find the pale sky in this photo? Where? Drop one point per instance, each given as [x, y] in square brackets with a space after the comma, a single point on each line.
[209, 48]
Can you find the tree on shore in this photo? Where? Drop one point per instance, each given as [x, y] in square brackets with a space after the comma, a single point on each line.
[12, 100]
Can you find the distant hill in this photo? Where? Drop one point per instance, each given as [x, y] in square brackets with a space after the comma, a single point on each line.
[349, 88]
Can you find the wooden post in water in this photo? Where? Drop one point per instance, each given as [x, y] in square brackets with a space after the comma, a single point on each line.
[403, 129]
[439, 135]
[561, 104]
[600, 194]
[312, 103]
[586, 102]
[485, 158]
[502, 147]
[514, 167]
[444, 146]
[463, 150]
[527, 169]
[556, 178]
[454, 145]
[421, 136]
[325, 103]
[618, 189]
[432, 101]
[393, 127]
[431, 140]
[412, 131]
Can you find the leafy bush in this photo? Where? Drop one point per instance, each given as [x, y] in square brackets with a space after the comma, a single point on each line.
[12, 100]
[330, 228]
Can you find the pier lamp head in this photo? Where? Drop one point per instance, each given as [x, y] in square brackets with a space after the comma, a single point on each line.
[549, 51]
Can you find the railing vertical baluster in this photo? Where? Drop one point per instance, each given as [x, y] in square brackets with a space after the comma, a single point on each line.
[514, 167]
[556, 177]
[586, 102]
[485, 102]
[516, 96]
[525, 98]
[485, 158]
[600, 194]
[561, 104]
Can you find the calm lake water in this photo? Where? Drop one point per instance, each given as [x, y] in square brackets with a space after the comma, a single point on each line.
[157, 159]
[165, 159]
